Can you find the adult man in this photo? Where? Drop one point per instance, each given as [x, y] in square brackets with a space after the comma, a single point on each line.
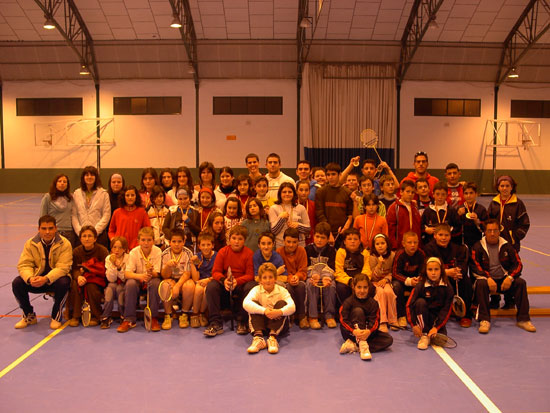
[253, 165]
[274, 175]
[303, 170]
[421, 170]
[43, 267]
[497, 268]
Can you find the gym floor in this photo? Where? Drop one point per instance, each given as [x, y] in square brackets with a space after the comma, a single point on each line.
[90, 370]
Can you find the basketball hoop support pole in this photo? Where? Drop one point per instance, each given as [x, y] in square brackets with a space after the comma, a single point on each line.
[98, 129]
[495, 136]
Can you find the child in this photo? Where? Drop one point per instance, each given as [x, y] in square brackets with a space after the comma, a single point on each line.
[387, 187]
[295, 260]
[88, 276]
[429, 305]
[233, 273]
[423, 194]
[244, 189]
[455, 260]
[216, 226]
[261, 187]
[207, 205]
[166, 177]
[226, 188]
[157, 212]
[142, 271]
[115, 266]
[266, 253]
[352, 182]
[302, 189]
[440, 213]
[116, 184]
[233, 214]
[149, 178]
[370, 223]
[204, 262]
[183, 216]
[269, 305]
[351, 260]
[510, 211]
[183, 180]
[321, 285]
[318, 180]
[256, 222]
[381, 264]
[472, 216]
[320, 251]
[367, 186]
[129, 218]
[180, 275]
[407, 265]
[359, 318]
[455, 195]
[207, 176]
[403, 215]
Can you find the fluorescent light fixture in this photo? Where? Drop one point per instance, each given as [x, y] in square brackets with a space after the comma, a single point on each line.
[513, 74]
[176, 24]
[84, 70]
[49, 24]
[306, 22]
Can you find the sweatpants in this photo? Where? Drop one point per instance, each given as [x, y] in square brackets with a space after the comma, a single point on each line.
[94, 294]
[399, 289]
[313, 294]
[518, 289]
[259, 322]
[377, 340]
[343, 291]
[298, 294]
[217, 297]
[131, 294]
[426, 317]
[60, 288]
[113, 291]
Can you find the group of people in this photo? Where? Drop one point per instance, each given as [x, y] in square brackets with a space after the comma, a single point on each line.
[358, 248]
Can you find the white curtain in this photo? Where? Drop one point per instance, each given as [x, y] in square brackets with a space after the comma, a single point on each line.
[339, 101]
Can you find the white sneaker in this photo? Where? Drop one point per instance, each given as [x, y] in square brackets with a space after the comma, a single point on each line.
[272, 345]
[54, 324]
[484, 326]
[26, 320]
[364, 351]
[348, 346]
[167, 323]
[258, 343]
[424, 342]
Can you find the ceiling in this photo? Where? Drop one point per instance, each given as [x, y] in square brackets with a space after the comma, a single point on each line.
[257, 39]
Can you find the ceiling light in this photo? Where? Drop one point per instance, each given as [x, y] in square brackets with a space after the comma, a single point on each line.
[49, 24]
[513, 74]
[176, 24]
[190, 68]
[306, 22]
[433, 24]
[84, 70]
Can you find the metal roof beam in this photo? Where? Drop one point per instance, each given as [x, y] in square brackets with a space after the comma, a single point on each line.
[74, 31]
[523, 36]
[182, 11]
[423, 12]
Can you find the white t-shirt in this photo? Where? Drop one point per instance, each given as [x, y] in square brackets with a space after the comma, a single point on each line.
[137, 263]
[275, 183]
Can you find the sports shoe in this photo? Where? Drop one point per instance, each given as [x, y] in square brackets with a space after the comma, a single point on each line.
[364, 351]
[155, 326]
[125, 326]
[195, 321]
[527, 326]
[465, 322]
[258, 343]
[106, 323]
[74, 322]
[424, 342]
[303, 324]
[348, 346]
[383, 327]
[93, 322]
[314, 324]
[167, 322]
[242, 329]
[26, 320]
[183, 320]
[54, 324]
[394, 327]
[402, 322]
[272, 345]
[484, 326]
[213, 330]
[331, 322]
[203, 320]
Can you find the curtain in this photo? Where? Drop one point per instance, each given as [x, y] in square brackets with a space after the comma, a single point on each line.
[338, 102]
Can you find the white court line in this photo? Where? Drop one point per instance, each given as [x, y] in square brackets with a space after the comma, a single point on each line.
[468, 382]
[538, 252]
[17, 200]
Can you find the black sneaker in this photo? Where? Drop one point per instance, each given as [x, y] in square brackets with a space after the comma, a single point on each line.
[213, 330]
[106, 323]
[242, 329]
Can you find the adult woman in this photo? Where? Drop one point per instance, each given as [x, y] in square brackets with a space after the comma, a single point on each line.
[58, 202]
[116, 184]
[92, 205]
[287, 213]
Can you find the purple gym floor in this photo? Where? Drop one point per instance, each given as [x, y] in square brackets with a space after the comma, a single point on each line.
[88, 369]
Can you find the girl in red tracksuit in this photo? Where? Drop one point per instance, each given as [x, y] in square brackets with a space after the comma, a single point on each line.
[429, 305]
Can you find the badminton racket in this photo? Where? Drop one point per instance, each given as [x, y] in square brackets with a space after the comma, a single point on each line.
[458, 306]
[231, 303]
[442, 340]
[165, 291]
[86, 311]
[147, 315]
[369, 139]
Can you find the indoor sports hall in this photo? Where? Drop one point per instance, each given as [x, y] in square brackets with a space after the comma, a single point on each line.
[124, 85]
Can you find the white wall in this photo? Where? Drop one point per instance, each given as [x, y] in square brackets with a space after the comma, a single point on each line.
[261, 134]
[461, 139]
